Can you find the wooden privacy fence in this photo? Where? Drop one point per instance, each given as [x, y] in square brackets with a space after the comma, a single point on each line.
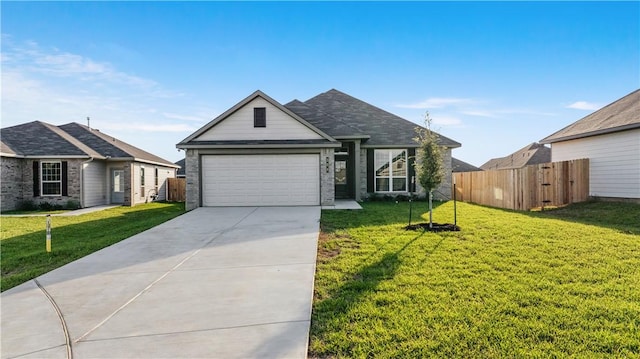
[176, 189]
[545, 184]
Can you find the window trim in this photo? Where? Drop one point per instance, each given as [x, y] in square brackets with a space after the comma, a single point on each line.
[42, 181]
[391, 177]
[259, 121]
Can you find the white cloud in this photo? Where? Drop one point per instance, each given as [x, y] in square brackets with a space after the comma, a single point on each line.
[584, 105]
[438, 102]
[58, 87]
[147, 127]
[176, 116]
[479, 113]
[446, 121]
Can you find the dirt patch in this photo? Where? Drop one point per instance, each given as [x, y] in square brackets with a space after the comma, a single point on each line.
[325, 249]
[437, 227]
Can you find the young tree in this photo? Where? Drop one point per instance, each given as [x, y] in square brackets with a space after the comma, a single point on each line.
[428, 164]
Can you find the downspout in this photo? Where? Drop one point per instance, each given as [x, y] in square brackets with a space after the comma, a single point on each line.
[82, 180]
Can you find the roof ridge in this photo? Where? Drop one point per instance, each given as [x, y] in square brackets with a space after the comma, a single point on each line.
[72, 140]
[598, 119]
[326, 114]
[125, 147]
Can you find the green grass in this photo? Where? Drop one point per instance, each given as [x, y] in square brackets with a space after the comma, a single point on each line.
[561, 283]
[22, 239]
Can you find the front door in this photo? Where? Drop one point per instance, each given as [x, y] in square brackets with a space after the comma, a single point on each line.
[117, 186]
[341, 176]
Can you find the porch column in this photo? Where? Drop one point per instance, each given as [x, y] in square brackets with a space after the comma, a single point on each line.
[356, 168]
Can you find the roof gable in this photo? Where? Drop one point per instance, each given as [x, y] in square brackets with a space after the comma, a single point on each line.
[236, 124]
[623, 114]
[384, 128]
[6, 151]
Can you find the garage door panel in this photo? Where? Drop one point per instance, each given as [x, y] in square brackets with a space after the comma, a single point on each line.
[260, 180]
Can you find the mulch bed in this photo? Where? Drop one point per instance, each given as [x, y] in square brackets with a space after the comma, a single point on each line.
[437, 227]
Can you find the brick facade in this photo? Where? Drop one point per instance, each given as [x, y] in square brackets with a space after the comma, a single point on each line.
[11, 183]
[327, 177]
[443, 192]
[17, 183]
[192, 171]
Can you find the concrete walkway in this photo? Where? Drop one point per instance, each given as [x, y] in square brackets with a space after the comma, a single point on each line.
[75, 212]
[212, 283]
[344, 204]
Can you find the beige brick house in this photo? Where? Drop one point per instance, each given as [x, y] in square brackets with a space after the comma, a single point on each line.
[41, 162]
[332, 146]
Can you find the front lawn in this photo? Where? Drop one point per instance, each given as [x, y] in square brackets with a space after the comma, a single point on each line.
[22, 239]
[547, 284]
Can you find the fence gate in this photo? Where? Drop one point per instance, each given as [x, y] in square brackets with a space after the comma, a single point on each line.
[546, 184]
[176, 188]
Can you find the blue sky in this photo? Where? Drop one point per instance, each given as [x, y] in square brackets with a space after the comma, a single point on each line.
[494, 76]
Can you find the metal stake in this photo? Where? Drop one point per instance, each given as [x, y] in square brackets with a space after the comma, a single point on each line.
[48, 244]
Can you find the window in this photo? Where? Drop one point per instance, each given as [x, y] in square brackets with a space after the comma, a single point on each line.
[142, 194]
[390, 170]
[51, 178]
[259, 117]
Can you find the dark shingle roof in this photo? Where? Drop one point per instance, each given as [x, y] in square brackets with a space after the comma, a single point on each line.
[334, 127]
[531, 154]
[88, 137]
[181, 171]
[623, 114]
[43, 139]
[110, 146]
[461, 166]
[384, 128]
[39, 139]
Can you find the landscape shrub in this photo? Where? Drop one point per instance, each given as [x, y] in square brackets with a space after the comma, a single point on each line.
[71, 204]
[27, 205]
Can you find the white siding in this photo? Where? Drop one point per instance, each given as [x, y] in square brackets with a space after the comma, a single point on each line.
[614, 162]
[150, 183]
[94, 184]
[163, 174]
[239, 126]
[138, 195]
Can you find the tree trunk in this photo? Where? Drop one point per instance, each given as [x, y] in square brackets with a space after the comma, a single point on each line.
[430, 209]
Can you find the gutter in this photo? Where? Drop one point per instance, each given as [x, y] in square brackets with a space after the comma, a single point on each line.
[259, 146]
[135, 159]
[549, 140]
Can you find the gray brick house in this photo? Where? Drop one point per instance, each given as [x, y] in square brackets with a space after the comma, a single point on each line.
[41, 162]
[332, 146]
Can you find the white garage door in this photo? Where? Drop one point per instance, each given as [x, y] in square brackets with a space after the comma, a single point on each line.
[261, 180]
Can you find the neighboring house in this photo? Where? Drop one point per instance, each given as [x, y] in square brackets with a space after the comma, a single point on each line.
[260, 152]
[181, 172]
[461, 166]
[57, 164]
[531, 154]
[610, 139]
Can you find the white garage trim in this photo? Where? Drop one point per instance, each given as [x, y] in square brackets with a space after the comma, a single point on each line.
[261, 180]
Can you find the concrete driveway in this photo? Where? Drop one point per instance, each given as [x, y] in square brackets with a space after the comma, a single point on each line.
[212, 283]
